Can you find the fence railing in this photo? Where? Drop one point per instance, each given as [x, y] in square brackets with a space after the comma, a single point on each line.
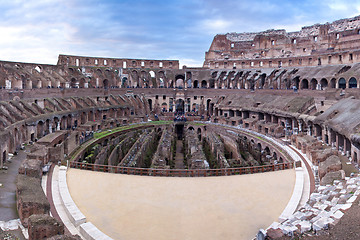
[181, 172]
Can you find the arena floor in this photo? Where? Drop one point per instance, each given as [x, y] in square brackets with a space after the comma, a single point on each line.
[138, 207]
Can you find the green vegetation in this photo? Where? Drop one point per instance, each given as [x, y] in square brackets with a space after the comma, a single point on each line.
[126, 127]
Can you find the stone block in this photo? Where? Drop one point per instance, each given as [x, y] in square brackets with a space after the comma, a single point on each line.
[337, 215]
[331, 164]
[42, 226]
[30, 198]
[322, 223]
[274, 233]
[351, 199]
[329, 177]
[305, 226]
[31, 168]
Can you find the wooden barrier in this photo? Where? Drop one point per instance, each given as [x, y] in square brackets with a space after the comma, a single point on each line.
[181, 172]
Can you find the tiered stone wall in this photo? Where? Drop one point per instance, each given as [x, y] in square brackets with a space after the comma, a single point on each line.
[320, 44]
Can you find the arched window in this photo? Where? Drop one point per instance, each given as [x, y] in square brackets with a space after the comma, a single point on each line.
[304, 84]
[342, 83]
[352, 83]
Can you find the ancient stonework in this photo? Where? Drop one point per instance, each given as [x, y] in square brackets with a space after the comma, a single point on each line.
[42, 226]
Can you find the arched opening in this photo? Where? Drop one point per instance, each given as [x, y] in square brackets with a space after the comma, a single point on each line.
[212, 83]
[296, 82]
[179, 106]
[275, 157]
[179, 81]
[323, 83]
[196, 84]
[83, 118]
[63, 123]
[74, 83]
[304, 84]
[342, 83]
[313, 84]
[355, 158]
[262, 80]
[333, 83]
[124, 83]
[259, 147]
[40, 129]
[106, 83]
[82, 83]
[352, 83]
[164, 107]
[150, 104]
[203, 84]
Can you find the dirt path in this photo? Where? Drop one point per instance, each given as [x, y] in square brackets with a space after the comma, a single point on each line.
[7, 190]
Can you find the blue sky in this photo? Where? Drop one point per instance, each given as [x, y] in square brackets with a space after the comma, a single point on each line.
[39, 30]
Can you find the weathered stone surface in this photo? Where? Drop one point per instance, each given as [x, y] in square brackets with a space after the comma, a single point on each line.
[275, 233]
[331, 176]
[331, 164]
[31, 168]
[30, 198]
[43, 226]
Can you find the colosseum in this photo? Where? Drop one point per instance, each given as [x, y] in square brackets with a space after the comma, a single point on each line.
[262, 141]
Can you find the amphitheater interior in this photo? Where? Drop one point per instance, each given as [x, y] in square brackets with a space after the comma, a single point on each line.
[151, 117]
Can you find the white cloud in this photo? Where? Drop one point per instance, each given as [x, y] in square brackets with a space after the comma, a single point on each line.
[215, 25]
[190, 62]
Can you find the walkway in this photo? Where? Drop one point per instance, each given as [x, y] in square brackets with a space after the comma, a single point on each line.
[137, 207]
[179, 157]
[7, 190]
[50, 184]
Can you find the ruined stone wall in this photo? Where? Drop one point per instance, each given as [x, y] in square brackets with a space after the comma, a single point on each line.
[320, 44]
[193, 150]
[77, 61]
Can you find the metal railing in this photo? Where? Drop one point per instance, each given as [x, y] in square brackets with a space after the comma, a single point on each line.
[181, 172]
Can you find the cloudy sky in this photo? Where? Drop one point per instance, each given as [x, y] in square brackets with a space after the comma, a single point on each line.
[39, 30]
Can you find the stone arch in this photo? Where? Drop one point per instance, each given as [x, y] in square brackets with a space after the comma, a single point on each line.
[342, 83]
[324, 83]
[203, 84]
[135, 77]
[313, 84]
[83, 118]
[196, 84]
[105, 83]
[333, 83]
[164, 107]
[40, 129]
[259, 147]
[261, 80]
[212, 83]
[179, 81]
[63, 123]
[274, 155]
[296, 82]
[352, 82]
[74, 83]
[304, 84]
[82, 83]
[199, 133]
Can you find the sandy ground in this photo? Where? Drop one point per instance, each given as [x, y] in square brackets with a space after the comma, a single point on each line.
[139, 207]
